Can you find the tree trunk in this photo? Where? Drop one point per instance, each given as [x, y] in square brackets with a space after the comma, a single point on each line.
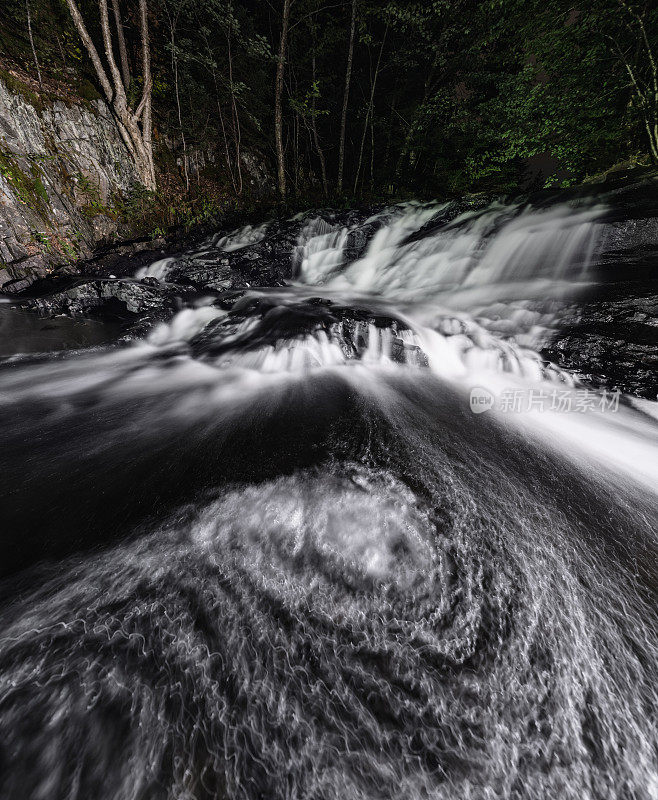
[370, 111]
[278, 100]
[346, 95]
[405, 153]
[220, 114]
[138, 140]
[174, 66]
[372, 152]
[389, 135]
[123, 53]
[316, 139]
[145, 104]
[34, 50]
[237, 133]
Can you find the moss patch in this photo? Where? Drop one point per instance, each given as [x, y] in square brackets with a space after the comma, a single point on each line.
[16, 86]
[28, 186]
[88, 91]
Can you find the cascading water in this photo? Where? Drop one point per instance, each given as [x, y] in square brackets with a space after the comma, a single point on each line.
[270, 551]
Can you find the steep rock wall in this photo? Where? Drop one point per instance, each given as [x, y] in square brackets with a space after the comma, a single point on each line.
[61, 168]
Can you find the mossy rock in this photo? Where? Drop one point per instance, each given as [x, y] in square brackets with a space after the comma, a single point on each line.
[88, 91]
[16, 86]
[28, 187]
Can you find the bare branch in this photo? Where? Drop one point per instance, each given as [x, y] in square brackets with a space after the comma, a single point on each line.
[645, 39]
[140, 108]
[123, 53]
[119, 89]
[91, 49]
[634, 80]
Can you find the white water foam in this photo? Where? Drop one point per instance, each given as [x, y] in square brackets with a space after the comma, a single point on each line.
[241, 238]
[463, 254]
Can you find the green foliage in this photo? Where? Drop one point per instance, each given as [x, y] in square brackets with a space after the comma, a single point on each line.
[93, 205]
[135, 202]
[155, 213]
[306, 105]
[471, 95]
[514, 83]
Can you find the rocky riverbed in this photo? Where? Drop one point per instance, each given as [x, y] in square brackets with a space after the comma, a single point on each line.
[606, 333]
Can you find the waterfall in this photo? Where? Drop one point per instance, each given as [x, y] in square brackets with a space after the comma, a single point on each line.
[348, 537]
[500, 245]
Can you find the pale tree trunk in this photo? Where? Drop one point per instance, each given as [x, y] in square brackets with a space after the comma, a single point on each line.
[237, 133]
[34, 50]
[174, 67]
[145, 106]
[389, 135]
[405, 153]
[278, 100]
[61, 51]
[370, 111]
[135, 125]
[320, 152]
[295, 152]
[372, 153]
[123, 53]
[346, 96]
[316, 139]
[296, 127]
[220, 114]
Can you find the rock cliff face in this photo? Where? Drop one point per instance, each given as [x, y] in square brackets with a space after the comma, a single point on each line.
[61, 167]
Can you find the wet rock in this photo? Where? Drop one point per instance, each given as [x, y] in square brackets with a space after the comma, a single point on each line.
[358, 240]
[205, 273]
[108, 296]
[612, 342]
[268, 262]
[20, 275]
[103, 227]
[259, 176]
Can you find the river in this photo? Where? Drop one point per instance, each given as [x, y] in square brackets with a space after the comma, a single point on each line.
[351, 535]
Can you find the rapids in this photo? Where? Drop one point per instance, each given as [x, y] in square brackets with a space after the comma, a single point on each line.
[347, 537]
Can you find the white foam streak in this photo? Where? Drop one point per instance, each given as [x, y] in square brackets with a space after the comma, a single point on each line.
[320, 250]
[240, 238]
[463, 254]
[185, 325]
[609, 445]
[537, 243]
[158, 269]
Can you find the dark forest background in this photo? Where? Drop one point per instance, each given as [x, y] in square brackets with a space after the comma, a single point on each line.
[443, 96]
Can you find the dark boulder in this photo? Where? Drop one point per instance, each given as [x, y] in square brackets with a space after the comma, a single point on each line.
[108, 296]
[611, 342]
